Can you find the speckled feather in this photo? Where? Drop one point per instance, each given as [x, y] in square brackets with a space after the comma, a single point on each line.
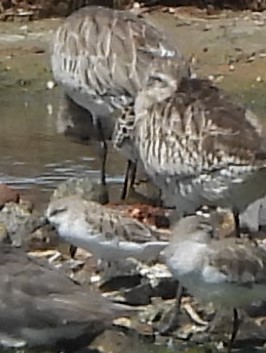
[241, 262]
[196, 140]
[109, 54]
[108, 222]
[114, 224]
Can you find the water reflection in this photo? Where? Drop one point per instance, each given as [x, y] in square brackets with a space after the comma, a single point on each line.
[32, 151]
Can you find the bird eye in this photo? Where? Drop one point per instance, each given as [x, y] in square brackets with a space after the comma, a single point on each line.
[124, 130]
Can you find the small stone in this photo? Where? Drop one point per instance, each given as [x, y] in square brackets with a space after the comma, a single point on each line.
[140, 295]
[95, 279]
[136, 5]
[49, 109]
[123, 321]
[7, 194]
[26, 205]
[220, 346]
[211, 77]
[218, 78]
[171, 10]
[50, 84]
[207, 28]
[231, 67]
[259, 79]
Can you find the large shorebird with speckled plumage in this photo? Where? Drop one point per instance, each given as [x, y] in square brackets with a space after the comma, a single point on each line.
[197, 144]
[102, 57]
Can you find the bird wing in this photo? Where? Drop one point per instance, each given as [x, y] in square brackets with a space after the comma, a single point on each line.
[113, 224]
[109, 53]
[244, 264]
[206, 127]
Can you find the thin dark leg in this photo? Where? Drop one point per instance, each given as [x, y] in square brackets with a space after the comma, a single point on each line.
[173, 320]
[237, 222]
[236, 324]
[103, 149]
[133, 174]
[128, 170]
[130, 177]
[72, 251]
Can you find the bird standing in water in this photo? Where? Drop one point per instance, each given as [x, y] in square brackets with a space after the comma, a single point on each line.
[102, 57]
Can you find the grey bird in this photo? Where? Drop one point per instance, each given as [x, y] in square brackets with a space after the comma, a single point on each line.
[229, 272]
[102, 57]
[105, 232]
[197, 144]
[41, 308]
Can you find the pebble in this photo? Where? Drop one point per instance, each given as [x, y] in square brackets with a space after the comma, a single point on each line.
[95, 279]
[136, 5]
[50, 84]
[7, 194]
[49, 109]
[231, 67]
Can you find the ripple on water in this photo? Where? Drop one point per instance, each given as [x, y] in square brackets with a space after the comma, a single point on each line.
[34, 154]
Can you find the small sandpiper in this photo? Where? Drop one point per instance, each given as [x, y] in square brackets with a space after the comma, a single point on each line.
[102, 57]
[229, 272]
[41, 308]
[106, 233]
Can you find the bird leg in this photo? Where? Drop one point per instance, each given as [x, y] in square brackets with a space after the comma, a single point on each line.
[236, 323]
[133, 174]
[72, 251]
[237, 222]
[172, 321]
[103, 148]
[104, 151]
[130, 175]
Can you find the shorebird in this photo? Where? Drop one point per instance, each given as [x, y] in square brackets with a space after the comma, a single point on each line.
[229, 272]
[102, 57]
[106, 233]
[41, 308]
[197, 144]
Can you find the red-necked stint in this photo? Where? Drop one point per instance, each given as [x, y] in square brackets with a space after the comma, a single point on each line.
[229, 272]
[106, 233]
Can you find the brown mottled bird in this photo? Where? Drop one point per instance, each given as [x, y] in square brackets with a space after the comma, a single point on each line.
[102, 57]
[41, 308]
[197, 144]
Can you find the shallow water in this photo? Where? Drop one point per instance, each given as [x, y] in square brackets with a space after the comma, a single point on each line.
[33, 154]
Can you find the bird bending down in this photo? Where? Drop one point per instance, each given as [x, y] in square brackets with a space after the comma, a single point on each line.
[41, 308]
[106, 233]
[229, 272]
[198, 146]
[102, 57]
